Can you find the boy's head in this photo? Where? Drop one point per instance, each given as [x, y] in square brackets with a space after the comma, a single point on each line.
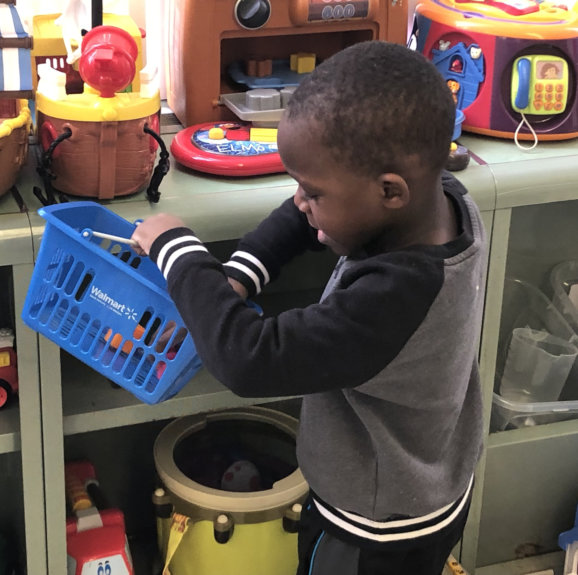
[378, 107]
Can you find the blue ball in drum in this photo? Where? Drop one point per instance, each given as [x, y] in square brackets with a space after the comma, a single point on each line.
[460, 116]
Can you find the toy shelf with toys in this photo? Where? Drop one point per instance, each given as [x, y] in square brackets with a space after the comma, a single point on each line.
[525, 492]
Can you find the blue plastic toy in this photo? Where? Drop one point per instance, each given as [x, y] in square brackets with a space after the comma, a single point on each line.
[568, 540]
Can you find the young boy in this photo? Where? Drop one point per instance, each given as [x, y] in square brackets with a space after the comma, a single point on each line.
[391, 424]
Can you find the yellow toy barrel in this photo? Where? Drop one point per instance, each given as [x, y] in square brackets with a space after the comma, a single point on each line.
[232, 493]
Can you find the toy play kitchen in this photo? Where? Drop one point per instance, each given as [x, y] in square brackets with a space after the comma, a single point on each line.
[232, 64]
[511, 64]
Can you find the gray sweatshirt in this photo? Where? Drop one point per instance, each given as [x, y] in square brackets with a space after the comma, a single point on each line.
[391, 420]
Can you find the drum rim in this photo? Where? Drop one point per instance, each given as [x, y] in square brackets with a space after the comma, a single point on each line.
[193, 498]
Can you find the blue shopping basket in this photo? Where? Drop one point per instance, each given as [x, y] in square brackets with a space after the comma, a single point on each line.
[106, 305]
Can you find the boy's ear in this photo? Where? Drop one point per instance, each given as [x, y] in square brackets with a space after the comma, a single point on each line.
[395, 190]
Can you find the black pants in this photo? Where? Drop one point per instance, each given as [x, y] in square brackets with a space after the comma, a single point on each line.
[323, 552]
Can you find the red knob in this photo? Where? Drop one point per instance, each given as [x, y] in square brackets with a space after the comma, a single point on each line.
[108, 59]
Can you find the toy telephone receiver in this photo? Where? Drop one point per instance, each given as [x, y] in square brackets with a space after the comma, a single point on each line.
[539, 87]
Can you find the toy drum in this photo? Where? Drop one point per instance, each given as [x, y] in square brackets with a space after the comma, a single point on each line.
[232, 493]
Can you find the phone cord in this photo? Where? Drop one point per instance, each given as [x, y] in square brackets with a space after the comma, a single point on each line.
[532, 131]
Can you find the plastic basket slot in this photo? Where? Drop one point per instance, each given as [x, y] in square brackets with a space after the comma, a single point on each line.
[90, 336]
[133, 364]
[122, 356]
[68, 322]
[135, 263]
[52, 264]
[38, 298]
[57, 318]
[144, 321]
[83, 285]
[74, 277]
[124, 256]
[145, 374]
[149, 376]
[102, 352]
[79, 329]
[48, 307]
[177, 341]
[108, 348]
[160, 368]
[153, 331]
[170, 337]
[63, 271]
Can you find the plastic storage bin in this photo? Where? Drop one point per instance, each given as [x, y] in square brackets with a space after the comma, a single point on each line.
[526, 306]
[107, 306]
[512, 414]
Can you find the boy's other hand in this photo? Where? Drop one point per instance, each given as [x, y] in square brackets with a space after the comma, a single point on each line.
[150, 229]
[238, 287]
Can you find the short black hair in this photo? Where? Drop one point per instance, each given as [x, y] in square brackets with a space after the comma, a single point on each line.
[377, 103]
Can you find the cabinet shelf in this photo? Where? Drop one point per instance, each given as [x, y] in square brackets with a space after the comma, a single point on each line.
[91, 402]
[530, 434]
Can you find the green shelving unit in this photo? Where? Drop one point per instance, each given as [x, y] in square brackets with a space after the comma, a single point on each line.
[525, 486]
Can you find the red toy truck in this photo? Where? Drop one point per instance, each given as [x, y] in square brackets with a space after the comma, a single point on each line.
[96, 542]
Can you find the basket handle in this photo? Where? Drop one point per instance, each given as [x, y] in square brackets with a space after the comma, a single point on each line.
[88, 233]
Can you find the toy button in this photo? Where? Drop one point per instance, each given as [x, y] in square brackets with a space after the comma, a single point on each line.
[538, 105]
[559, 97]
[538, 96]
[539, 86]
[548, 106]
[559, 87]
[216, 133]
[549, 97]
[549, 87]
[558, 106]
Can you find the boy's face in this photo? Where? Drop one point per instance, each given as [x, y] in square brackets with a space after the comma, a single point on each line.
[347, 209]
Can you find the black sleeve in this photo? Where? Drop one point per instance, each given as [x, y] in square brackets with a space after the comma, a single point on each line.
[261, 254]
[341, 342]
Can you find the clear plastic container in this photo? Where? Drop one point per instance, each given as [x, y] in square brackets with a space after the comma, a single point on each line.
[537, 365]
[525, 306]
[564, 282]
[508, 414]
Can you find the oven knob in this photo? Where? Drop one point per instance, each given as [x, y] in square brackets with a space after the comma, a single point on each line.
[252, 14]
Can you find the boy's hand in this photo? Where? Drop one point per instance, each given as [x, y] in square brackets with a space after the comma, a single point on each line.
[238, 287]
[151, 228]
